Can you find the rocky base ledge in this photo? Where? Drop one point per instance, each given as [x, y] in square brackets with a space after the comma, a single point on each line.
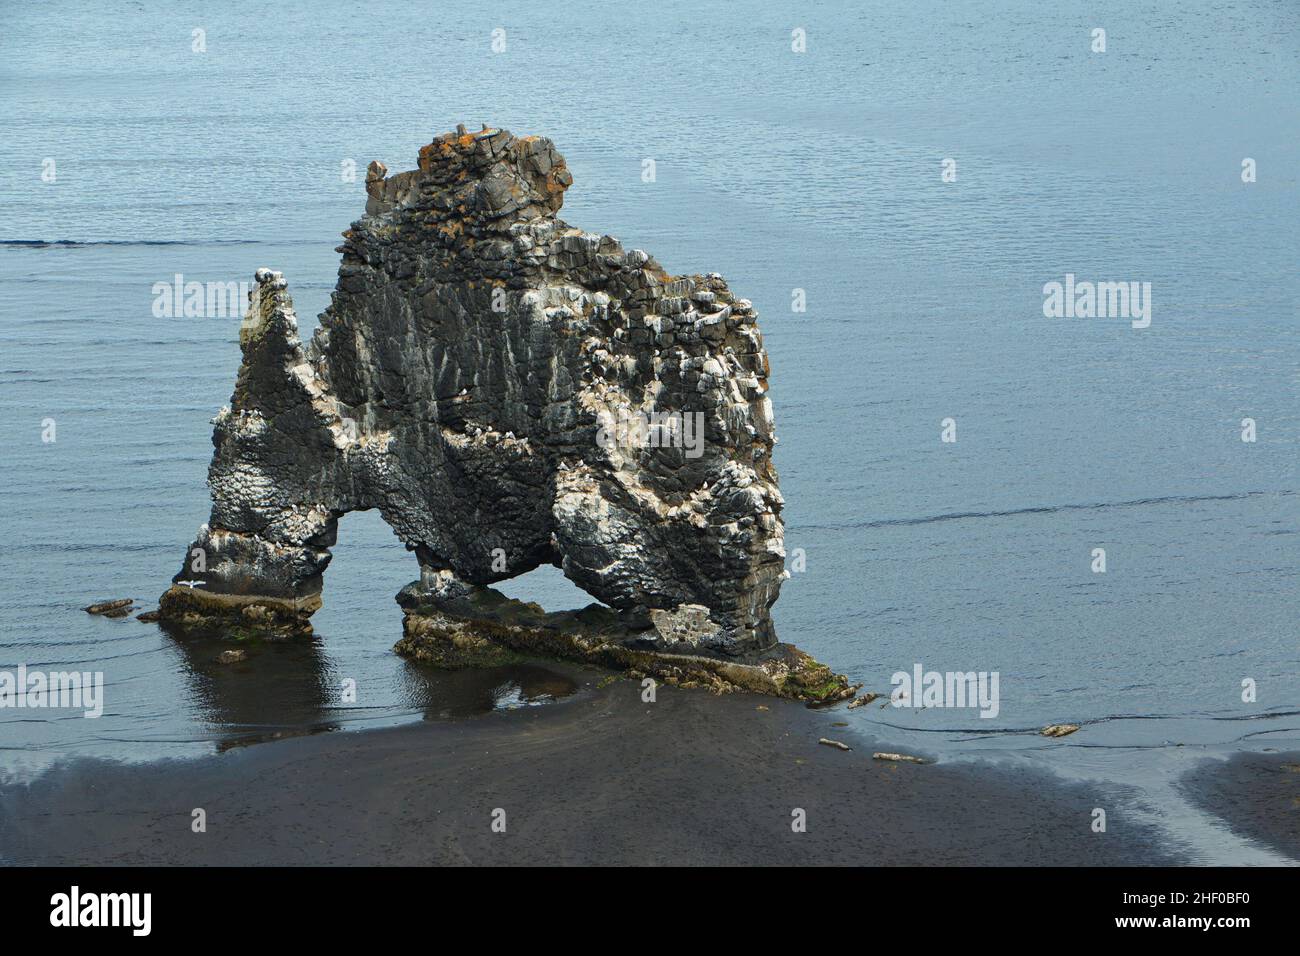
[486, 628]
[239, 615]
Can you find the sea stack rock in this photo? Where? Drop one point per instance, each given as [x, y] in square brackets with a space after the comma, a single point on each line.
[508, 391]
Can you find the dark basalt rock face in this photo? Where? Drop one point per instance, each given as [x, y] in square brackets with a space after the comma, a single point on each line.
[473, 378]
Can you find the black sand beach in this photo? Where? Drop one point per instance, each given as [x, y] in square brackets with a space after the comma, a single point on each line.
[600, 778]
[1256, 794]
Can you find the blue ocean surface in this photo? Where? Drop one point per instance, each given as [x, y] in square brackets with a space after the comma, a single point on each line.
[819, 171]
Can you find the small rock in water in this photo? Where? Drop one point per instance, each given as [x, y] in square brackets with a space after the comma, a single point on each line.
[122, 605]
[148, 616]
[1059, 730]
[232, 657]
[862, 701]
[834, 743]
[898, 758]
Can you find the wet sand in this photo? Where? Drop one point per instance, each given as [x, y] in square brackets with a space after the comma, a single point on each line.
[1256, 794]
[599, 778]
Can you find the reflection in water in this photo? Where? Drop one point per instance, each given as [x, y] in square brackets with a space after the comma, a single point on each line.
[279, 689]
[445, 695]
[288, 688]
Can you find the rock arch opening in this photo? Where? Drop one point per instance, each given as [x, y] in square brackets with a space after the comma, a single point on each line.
[546, 585]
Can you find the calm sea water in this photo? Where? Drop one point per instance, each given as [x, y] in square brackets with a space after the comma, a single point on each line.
[817, 171]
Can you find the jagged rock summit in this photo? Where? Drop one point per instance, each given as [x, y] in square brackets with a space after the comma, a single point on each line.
[508, 391]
